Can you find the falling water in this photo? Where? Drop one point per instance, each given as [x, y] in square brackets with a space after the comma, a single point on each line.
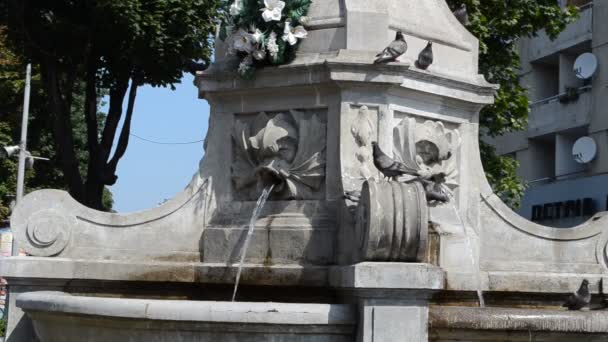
[482, 302]
[254, 217]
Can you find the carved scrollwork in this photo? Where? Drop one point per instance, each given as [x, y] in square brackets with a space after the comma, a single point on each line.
[362, 130]
[48, 232]
[285, 149]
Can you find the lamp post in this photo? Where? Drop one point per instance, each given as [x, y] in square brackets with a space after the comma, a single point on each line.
[23, 142]
[25, 157]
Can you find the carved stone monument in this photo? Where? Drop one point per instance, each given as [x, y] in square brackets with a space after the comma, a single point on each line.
[381, 259]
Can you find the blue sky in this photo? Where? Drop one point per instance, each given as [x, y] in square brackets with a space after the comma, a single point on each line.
[150, 173]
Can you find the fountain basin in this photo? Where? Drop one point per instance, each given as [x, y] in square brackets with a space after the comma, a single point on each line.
[451, 323]
[59, 316]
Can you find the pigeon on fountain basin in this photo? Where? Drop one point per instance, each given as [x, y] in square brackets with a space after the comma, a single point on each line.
[389, 167]
[580, 298]
[425, 58]
[395, 49]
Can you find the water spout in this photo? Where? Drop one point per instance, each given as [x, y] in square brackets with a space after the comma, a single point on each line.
[254, 217]
[469, 244]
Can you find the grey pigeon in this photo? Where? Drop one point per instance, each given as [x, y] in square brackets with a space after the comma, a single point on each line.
[387, 166]
[425, 58]
[580, 298]
[434, 187]
[395, 49]
[462, 15]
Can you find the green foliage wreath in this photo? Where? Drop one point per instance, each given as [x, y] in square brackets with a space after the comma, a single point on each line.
[263, 32]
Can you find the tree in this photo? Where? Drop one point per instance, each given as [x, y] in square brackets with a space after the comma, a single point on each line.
[499, 25]
[105, 45]
[44, 174]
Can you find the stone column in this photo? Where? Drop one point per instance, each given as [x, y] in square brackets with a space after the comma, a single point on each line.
[392, 297]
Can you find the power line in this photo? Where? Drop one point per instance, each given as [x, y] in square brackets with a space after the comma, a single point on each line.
[166, 142]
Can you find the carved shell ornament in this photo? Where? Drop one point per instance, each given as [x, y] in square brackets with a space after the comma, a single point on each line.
[428, 147]
[287, 149]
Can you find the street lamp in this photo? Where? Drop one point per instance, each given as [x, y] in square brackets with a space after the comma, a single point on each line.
[8, 151]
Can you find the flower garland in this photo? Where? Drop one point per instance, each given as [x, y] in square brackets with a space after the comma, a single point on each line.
[263, 32]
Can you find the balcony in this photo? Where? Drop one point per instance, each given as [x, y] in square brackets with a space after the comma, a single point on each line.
[550, 115]
[575, 34]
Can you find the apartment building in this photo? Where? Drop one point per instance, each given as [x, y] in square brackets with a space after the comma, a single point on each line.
[564, 190]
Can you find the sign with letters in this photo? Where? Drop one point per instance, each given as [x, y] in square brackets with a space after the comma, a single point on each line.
[565, 209]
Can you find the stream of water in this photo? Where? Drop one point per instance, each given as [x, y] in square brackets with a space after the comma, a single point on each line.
[469, 244]
[254, 217]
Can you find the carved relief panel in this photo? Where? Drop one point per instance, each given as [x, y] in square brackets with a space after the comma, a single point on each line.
[284, 149]
[429, 147]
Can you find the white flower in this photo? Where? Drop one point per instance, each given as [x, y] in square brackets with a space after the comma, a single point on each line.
[259, 54]
[243, 41]
[245, 64]
[257, 36]
[272, 46]
[304, 20]
[273, 10]
[291, 34]
[236, 7]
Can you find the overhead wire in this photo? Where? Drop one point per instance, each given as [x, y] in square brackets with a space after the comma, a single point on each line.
[167, 142]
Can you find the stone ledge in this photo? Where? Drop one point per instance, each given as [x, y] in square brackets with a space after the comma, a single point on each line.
[347, 66]
[70, 269]
[526, 282]
[502, 319]
[388, 275]
[181, 310]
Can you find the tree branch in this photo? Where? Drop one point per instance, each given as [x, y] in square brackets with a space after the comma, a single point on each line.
[123, 140]
[90, 109]
[117, 95]
[62, 130]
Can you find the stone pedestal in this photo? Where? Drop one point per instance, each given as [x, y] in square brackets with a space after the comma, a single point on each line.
[392, 298]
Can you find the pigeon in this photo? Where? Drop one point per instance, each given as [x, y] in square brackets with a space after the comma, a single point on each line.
[425, 58]
[580, 298]
[462, 15]
[434, 188]
[395, 49]
[387, 166]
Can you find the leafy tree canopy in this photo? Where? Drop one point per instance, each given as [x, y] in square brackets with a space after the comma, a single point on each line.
[499, 25]
[45, 174]
[87, 47]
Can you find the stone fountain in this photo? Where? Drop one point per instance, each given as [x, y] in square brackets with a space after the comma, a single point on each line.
[338, 253]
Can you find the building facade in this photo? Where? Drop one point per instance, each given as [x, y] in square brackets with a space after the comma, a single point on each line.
[562, 191]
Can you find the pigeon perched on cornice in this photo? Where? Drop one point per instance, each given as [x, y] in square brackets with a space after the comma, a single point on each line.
[395, 49]
[462, 15]
[580, 298]
[425, 58]
[389, 167]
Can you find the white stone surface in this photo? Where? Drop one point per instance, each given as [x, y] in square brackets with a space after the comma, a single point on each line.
[386, 275]
[58, 316]
[196, 237]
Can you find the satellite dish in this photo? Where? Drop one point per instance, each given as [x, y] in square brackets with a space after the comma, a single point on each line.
[584, 150]
[585, 66]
